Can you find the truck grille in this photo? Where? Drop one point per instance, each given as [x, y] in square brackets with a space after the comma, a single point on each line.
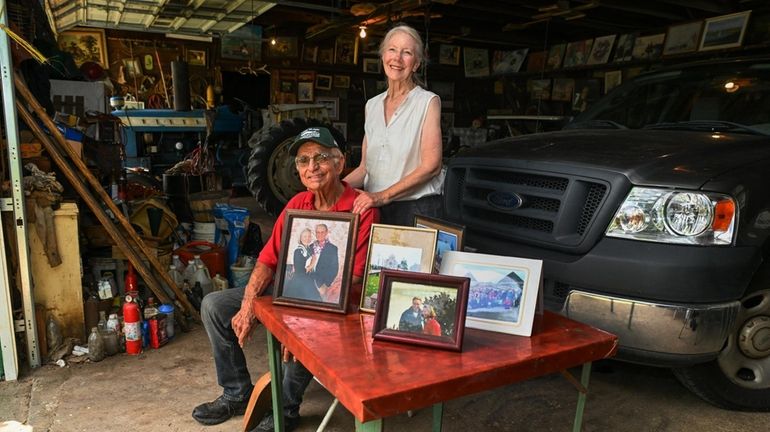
[536, 208]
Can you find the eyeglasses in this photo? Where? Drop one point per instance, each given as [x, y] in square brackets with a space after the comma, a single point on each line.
[318, 158]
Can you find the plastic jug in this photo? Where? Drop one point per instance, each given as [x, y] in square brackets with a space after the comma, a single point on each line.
[176, 261]
[202, 276]
[189, 272]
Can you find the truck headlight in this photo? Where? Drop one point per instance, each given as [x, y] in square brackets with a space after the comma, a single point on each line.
[673, 216]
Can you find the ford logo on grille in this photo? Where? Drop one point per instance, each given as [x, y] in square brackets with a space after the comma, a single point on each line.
[505, 200]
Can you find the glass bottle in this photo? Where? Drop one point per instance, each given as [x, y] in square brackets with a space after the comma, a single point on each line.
[95, 346]
[151, 309]
[102, 325]
[53, 333]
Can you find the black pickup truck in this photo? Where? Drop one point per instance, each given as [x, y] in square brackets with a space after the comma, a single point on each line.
[651, 213]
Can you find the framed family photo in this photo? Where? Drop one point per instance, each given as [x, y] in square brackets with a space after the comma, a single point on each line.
[396, 248]
[421, 309]
[316, 262]
[504, 291]
[85, 45]
[448, 238]
[724, 31]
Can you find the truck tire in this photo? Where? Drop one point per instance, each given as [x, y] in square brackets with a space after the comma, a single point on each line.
[270, 174]
[739, 379]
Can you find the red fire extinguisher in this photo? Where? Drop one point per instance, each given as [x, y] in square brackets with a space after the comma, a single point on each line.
[132, 326]
[131, 286]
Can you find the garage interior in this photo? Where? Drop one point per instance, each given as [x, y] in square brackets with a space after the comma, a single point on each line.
[163, 102]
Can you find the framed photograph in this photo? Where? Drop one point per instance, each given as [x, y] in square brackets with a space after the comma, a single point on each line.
[342, 127]
[539, 88]
[476, 62]
[310, 54]
[682, 38]
[625, 47]
[600, 51]
[577, 53]
[449, 55]
[326, 55]
[724, 31]
[242, 44]
[316, 263]
[304, 92]
[612, 79]
[421, 309]
[285, 47]
[508, 62]
[536, 61]
[323, 82]
[648, 47]
[332, 105]
[371, 46]
[341, 81]
[372, 65]
[555, 56]
[132, 67]
[562, 89]
[85, 45]
[449, 237]
[345, 49]
[504, 290]
[196, 57]
[397, 248]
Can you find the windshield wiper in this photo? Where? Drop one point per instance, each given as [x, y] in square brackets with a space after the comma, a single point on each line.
[595, 124]
[709, 125]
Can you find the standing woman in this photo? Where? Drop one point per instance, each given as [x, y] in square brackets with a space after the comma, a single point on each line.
[400, 170]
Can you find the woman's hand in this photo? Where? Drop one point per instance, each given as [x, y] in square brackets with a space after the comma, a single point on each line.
[366, 200]
[244, 322]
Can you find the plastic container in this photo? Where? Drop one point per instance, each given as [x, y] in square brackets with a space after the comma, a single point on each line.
[212, 255]
[241, 272]
[203, 277]
[168, 310]
[204, 231]
[219, 283]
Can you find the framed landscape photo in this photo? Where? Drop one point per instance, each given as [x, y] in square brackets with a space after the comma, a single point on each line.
[397, 248]
[85, 45]
[449, 55]
[682, 38]
[504, 290]
[316, 262]
[421, 309]
[449, 237]
[724, 31]
[323, 82]
[648, 47]
[332, 106]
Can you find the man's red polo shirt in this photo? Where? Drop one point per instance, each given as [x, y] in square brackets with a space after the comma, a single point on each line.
[306, 201]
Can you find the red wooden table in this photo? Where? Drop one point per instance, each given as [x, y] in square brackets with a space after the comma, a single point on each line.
[374, 380]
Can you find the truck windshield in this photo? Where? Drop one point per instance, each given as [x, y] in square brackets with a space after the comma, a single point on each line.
[734, 97]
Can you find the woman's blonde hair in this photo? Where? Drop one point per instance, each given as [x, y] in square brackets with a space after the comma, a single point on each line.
[420, 47]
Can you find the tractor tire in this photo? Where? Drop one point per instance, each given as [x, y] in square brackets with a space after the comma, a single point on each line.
[270, 174]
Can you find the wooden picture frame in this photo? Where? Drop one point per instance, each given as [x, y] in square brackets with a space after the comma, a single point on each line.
[196, 57]
[346, 50]
[600, 51]
[332, 105]
[311, 278]
[508, 62]
[682, 38]
[505, 292]
[242, 44]
[577, 53]
[305, 92]
[476, 62]
[310, 53]
[341, 81]
[421, 309]
[536, 61]
[372, 65]
[648, 47]
[725, 31]
[450, 236]
[395, 247]
[326, 55]
[449, 55]
[85, 45]
[323, 82]
[624, 48]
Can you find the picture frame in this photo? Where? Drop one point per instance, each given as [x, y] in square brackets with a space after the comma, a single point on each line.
[625, 48]
[323, 82]
[132, 68]
[242, 44]
[196, 57]
[648, 47]
[287, 86]
[450, 236]
[342, 127]
[284, 47]
[85, 45]
[562, 89]
[305, 92]
[601, 49]
[310, 53]
[449, 55]
[372, 65]
[612, 79]
[682, 38]
[324, 283]
[371, 46]
[724, 31]
[326, 55]
[341, 81]
[508, 62]
[332, 105]
[577, 53]
[421, 309]
[395, 247]
[555, 56]
[505, 292]
[539, 88]
[476, 62]
[346, 49]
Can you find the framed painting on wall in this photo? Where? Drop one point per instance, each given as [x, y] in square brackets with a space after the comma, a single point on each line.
[724, 31]
[242, 44]
[507, 62]
[449, 55]
[346, 50]
[476, 62]
[85, 45]
[600, 52]
[682, 38]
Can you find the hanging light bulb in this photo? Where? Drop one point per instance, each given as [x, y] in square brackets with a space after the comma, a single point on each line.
[272, 40]
[362, 33]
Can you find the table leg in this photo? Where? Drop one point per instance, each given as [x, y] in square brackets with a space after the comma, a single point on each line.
[370, 426]
[276, 381]
[438, 413]
[584, 376]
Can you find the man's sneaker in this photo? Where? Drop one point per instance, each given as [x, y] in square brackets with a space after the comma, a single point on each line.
[218, 411]
[268, 425]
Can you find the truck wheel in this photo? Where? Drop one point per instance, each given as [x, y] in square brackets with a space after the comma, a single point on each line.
[739, 378]
[271, 175]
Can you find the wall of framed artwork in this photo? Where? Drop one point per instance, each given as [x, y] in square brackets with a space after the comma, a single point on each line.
[724, 31]
[85, 45]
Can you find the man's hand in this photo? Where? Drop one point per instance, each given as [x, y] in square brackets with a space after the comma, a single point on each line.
[244, 322]
[287, 356]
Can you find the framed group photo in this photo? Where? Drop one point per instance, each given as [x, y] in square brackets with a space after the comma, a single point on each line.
[396, 248]
[421, 309]
[449, 236]
[504, 291]
[316, 262]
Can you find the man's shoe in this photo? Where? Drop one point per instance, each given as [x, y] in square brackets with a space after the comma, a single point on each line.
[218, 411]
[268, 425]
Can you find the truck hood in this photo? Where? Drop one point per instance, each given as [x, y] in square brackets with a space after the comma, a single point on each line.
[646, 157]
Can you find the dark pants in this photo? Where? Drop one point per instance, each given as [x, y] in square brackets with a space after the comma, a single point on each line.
[403, 212]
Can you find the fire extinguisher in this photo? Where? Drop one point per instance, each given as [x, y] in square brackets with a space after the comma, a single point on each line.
[131, 286]
[132, 326]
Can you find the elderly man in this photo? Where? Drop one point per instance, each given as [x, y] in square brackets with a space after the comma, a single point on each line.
[228, 316]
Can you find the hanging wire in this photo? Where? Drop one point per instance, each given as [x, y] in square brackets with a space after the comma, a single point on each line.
[24, 44]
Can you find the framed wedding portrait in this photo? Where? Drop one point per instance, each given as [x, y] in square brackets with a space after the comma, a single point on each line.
[449, 236]
[396, 248]
[421, 309]
[316, 260]
[504, 290]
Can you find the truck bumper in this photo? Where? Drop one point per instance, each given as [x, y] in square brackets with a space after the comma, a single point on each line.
[661, 334]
